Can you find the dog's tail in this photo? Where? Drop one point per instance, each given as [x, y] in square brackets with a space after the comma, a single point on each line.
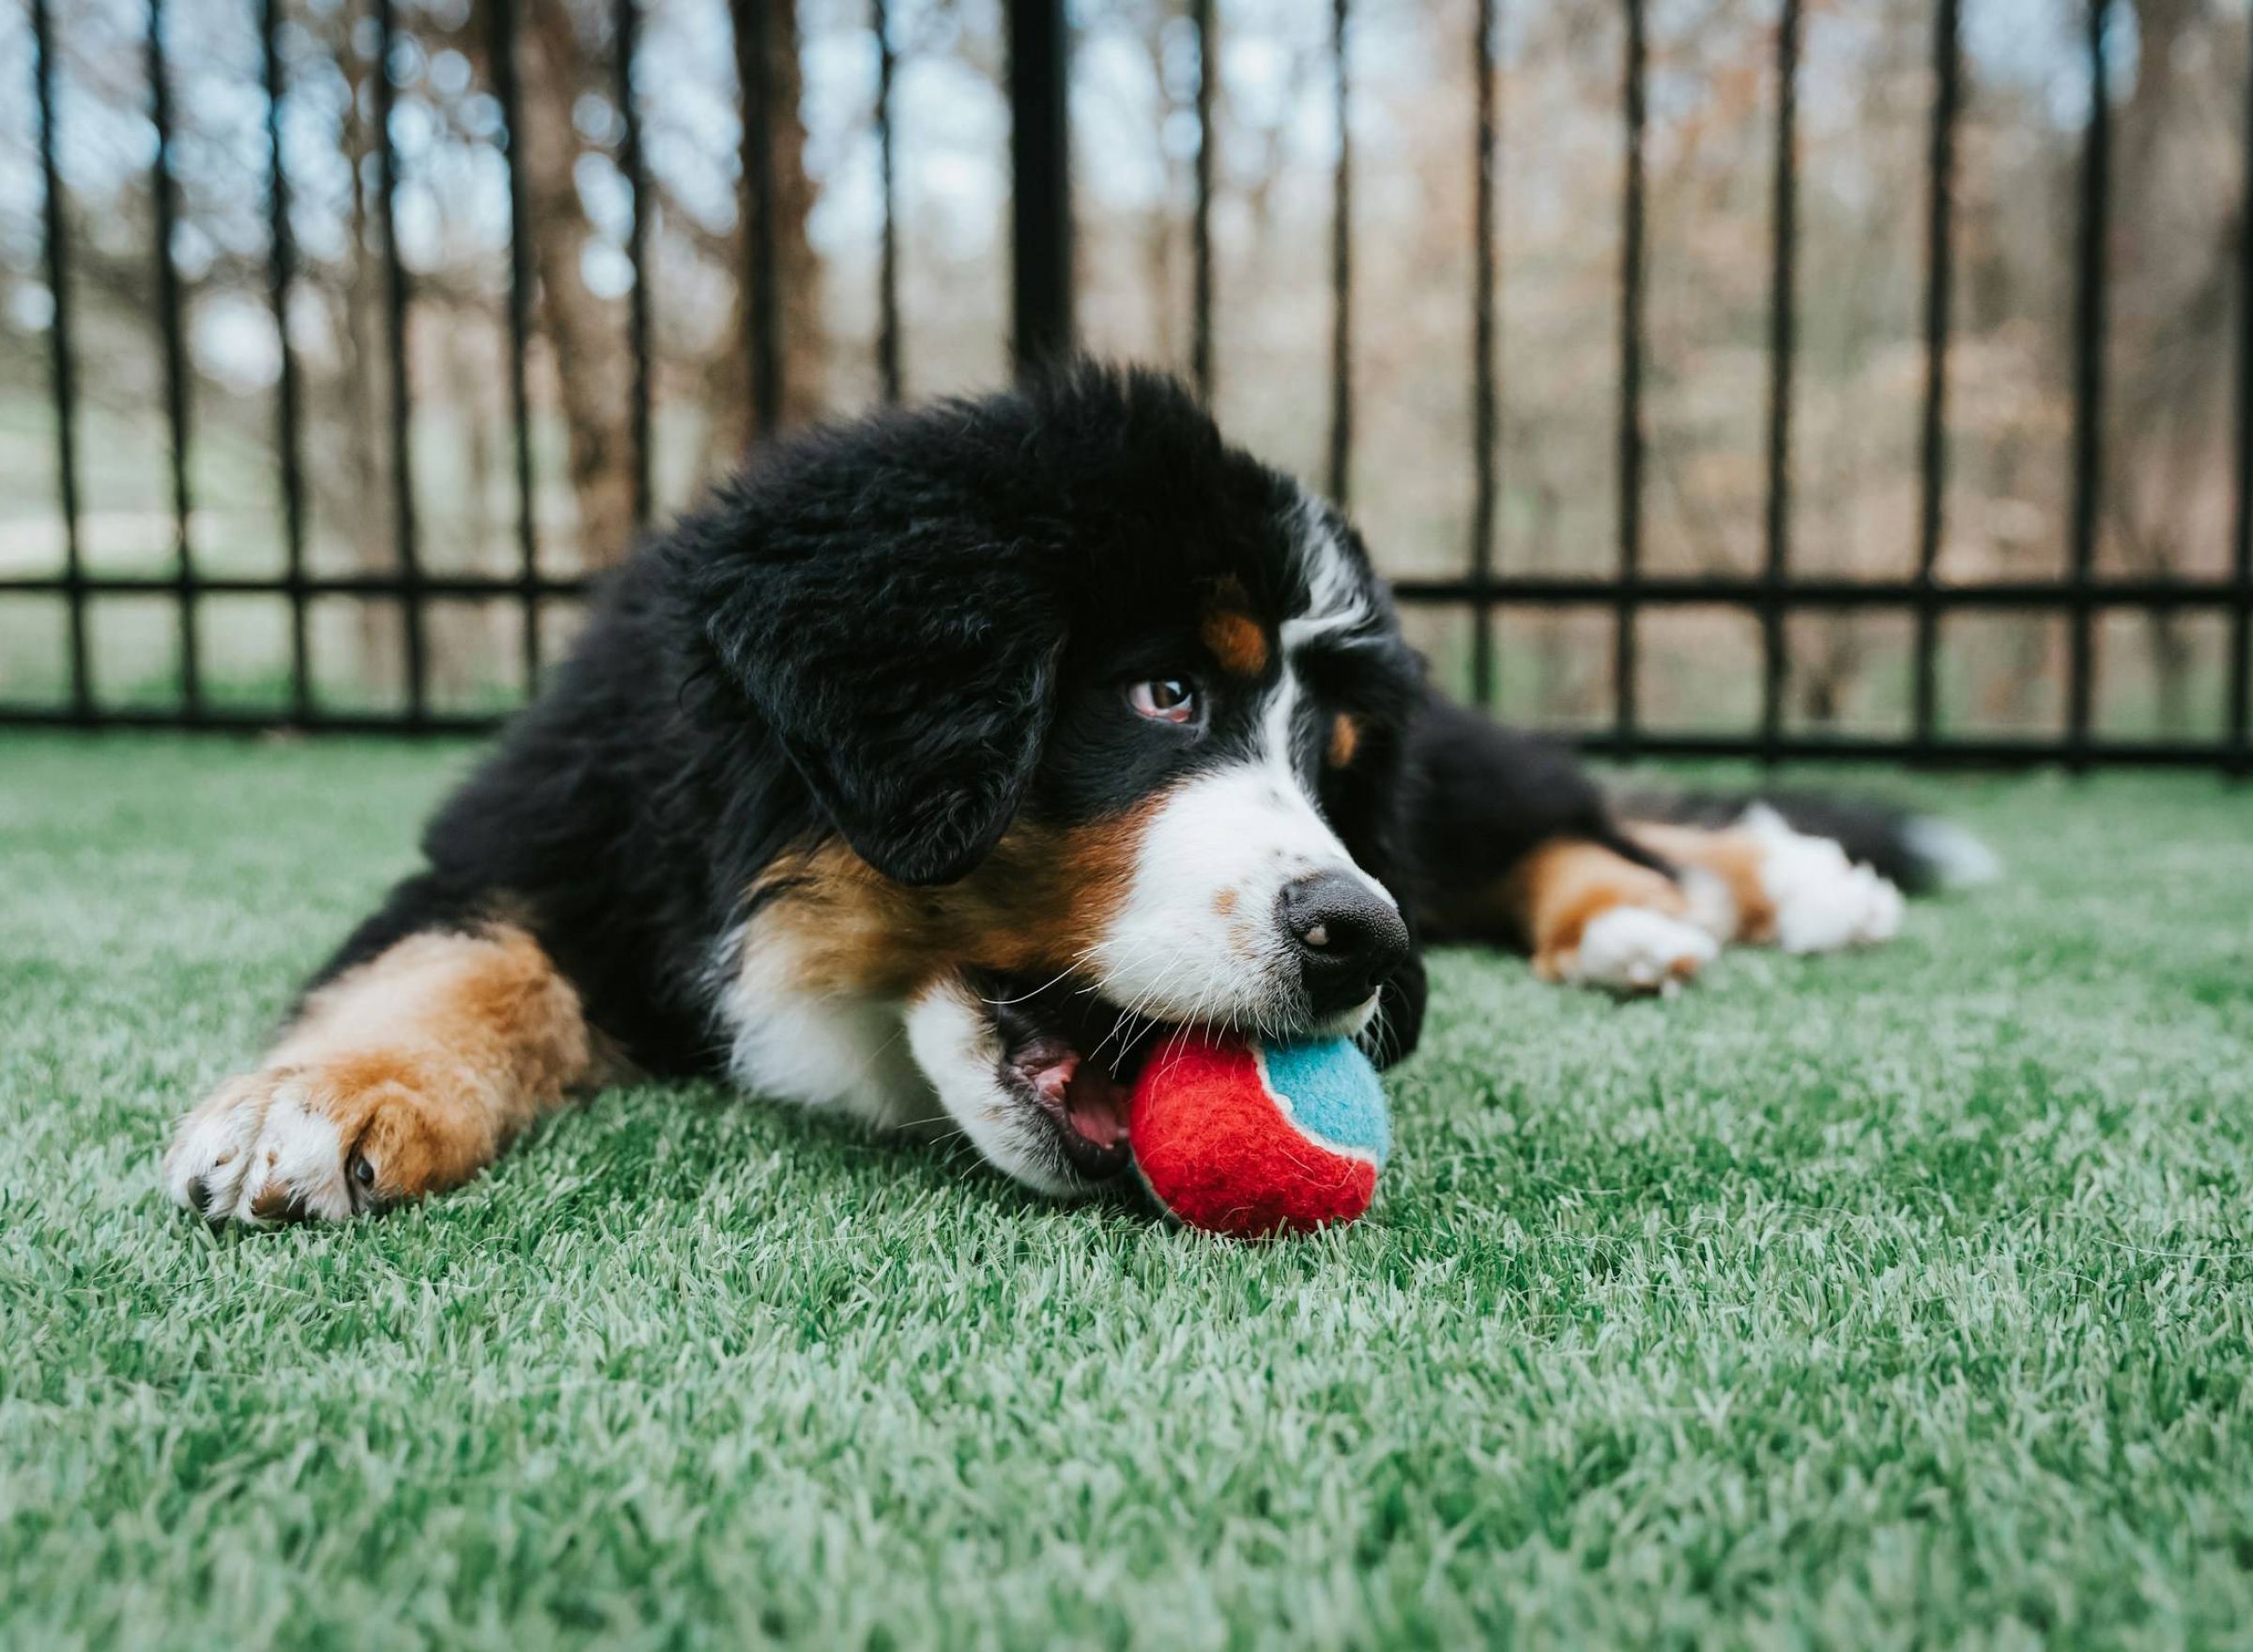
[1919, 852]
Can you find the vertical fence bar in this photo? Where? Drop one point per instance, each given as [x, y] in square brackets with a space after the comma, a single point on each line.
[1782, 320]
[500, 46]
[281, 274]
[887, 289]
[1200, 219]
[1484, 396]
[164, 191]
[395, 305]
[2089, 385]
[1041, 170]
[62, 367]
[1341, 272]
[2239, 720]
[762, 303]
[626, 39]
[1625, 716]
[1940, 275]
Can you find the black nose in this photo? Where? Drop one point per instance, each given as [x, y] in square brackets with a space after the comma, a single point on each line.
[1347, 936]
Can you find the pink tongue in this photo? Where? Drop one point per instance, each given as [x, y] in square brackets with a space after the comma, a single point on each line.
[1093, 1102]
[1096, 1104]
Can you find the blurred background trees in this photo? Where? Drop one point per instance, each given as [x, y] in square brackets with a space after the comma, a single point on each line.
[2178, 100]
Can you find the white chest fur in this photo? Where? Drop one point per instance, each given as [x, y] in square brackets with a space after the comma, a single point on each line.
[819, 1048]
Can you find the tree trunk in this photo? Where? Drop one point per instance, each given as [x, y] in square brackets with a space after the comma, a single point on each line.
[2162, 296]
[373, 526]
[586, 333]
[802, 345]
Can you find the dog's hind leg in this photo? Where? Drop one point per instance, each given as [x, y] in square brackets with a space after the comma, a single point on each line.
[1779, 887]
[1589, 916]
[403, 1075]
[1514, 845]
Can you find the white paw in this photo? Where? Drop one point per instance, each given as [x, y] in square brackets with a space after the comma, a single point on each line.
[257, 1153]
[1823, 901]
[1632, 949]
[1712, 907]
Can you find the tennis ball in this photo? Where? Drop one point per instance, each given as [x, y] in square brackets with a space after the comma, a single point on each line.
[1239, 1137]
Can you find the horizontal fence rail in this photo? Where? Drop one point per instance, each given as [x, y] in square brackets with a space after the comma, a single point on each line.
[1038, 44]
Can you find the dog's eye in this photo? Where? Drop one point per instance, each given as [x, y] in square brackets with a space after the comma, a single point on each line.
[1164, 699]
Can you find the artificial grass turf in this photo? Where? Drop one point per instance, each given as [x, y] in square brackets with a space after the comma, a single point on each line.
[1895, 1297]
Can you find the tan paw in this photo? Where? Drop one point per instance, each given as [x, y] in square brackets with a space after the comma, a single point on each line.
[1634, 950]
[321, 1144]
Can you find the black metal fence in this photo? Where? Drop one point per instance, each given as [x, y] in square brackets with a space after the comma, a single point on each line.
[1038, 44]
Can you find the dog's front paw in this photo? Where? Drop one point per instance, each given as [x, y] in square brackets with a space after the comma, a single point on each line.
[1634, 950]
[320, 1143]
[262, 1149]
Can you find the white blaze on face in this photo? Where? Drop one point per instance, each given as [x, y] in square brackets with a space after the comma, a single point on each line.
[1199, 938]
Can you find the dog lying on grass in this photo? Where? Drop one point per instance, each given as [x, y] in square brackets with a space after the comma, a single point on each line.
[937, 765]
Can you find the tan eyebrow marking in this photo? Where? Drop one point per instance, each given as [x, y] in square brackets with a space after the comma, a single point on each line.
[1236, 640]
[1345, 740]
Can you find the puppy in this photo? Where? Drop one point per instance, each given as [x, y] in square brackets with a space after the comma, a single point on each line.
[934, 768]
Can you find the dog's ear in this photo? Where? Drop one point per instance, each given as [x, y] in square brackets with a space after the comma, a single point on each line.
[911, 682]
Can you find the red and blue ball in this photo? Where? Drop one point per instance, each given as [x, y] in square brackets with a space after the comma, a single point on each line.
[1240, 1136]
